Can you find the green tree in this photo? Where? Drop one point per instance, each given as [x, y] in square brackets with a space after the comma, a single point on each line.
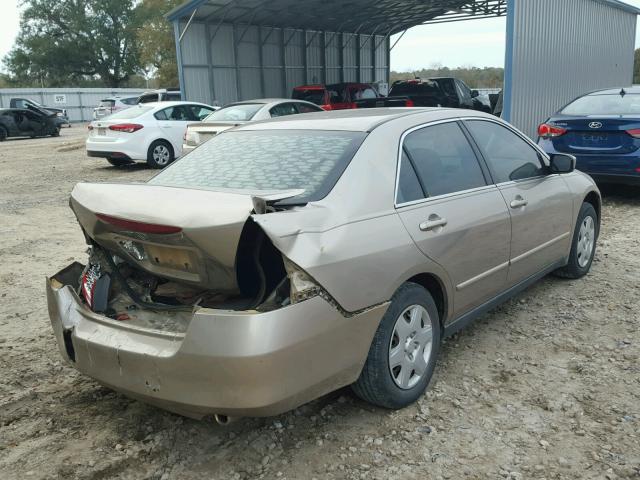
[75, 41]
[157, 42]
[636, 67]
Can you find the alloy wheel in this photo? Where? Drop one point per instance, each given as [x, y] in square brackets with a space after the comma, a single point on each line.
[161, 155]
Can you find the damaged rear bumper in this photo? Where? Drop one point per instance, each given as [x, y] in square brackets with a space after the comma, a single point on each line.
[224, 362]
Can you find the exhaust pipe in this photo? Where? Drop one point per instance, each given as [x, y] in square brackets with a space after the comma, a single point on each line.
[224, 420]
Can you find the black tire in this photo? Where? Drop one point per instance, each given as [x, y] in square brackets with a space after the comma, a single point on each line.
[156, 161]
[376, 383]
[56, 132]
[3, 134]
[119, 162]
[576, 267]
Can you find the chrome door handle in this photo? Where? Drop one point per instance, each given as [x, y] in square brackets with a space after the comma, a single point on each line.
[519, 202]
[433, 223]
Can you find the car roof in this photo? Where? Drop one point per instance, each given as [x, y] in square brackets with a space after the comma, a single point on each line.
[357, 120]
[267, 101]
[170, 104]
[634, 89]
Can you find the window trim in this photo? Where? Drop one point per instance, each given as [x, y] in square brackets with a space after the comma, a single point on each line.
[543, 157]
[473, 147]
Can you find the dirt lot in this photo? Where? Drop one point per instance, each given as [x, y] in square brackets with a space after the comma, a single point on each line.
[546, 386]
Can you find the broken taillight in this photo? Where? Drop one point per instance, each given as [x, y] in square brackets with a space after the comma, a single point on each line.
[142, 227]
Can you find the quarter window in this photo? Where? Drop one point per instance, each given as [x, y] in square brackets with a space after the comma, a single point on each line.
[443, 160]
[509, 156]
[283, 109]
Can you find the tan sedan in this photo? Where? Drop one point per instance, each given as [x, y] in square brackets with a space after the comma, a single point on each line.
[285, 259]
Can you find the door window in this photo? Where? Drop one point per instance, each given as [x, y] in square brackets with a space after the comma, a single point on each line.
[509, 156]
[283, 109]
[305, 108]
[178, 113]
[443, 160]
[200, 113]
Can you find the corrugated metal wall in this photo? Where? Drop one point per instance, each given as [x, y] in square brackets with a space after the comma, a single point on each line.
[560, 50]
[79, 102]
[224, 63]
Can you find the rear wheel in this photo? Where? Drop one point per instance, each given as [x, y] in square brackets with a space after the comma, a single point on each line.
[119, 162]
[160, 154]
[3, 134]
[404, 350]
[583, 247]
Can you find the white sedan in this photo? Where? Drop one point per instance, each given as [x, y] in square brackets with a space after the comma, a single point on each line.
[152, 132]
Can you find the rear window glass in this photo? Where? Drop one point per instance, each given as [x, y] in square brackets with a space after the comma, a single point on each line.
[235, 113]
[628, 104]
[263, 161]
[313, 96]
[129, 113]
[107, 103]
[129, 101]
[411, 88]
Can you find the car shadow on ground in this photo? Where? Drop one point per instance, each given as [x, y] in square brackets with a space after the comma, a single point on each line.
[621, 193]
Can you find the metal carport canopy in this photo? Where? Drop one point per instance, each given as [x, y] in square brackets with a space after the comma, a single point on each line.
[382, 17]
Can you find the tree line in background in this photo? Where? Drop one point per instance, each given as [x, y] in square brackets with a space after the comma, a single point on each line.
[93, 43]
[487, 77]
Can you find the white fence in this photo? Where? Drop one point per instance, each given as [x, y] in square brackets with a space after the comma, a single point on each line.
[79, 102]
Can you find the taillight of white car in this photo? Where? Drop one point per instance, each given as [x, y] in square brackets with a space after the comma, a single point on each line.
[126, 127]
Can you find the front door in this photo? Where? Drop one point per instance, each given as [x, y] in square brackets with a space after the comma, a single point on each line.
[453, 213]
[540, 204]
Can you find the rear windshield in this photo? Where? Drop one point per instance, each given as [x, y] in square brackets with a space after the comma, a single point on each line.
[617, 104]
[235, 113]
[129, 113]
[263, 161]
[410, 88]
[129, 101]
[314, 96]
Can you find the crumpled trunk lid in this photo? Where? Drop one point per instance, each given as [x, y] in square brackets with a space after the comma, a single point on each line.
[200, 250]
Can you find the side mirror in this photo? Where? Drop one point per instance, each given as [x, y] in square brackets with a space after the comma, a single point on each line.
[475, 93]
[563, 163]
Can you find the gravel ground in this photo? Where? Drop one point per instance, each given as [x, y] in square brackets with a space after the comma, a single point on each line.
[545, 386]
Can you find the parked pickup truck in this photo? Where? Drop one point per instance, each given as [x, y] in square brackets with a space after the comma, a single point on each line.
[28, 104]
[344, 96]
[440, 92]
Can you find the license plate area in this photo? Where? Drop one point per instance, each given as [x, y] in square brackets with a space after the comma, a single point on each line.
[102, 132]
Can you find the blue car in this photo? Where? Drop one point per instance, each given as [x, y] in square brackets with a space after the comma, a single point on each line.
[602, 130]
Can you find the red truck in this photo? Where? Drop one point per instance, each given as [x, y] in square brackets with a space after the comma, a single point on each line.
[344, 96]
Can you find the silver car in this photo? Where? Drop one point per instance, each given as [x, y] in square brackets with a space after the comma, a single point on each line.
[241, 113]
[285, 259]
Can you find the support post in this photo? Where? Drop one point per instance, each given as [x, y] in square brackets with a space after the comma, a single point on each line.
[305, 57]
[235, 62]
[283, 56]
[212, 90]
[261, 60]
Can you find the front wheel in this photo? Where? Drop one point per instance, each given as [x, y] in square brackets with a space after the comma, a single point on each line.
[160, 154]
[3, 134]
[583, 247]
[404, 350]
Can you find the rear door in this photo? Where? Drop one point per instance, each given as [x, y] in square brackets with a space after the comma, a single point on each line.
[452, 211]
[173, 122]
[540, 204]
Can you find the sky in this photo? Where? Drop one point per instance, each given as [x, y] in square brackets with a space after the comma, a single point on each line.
[478, 43]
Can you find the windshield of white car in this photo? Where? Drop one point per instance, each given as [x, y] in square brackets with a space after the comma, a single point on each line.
[608, 104]
[130, 113]
[267, 160]
[235, 113]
